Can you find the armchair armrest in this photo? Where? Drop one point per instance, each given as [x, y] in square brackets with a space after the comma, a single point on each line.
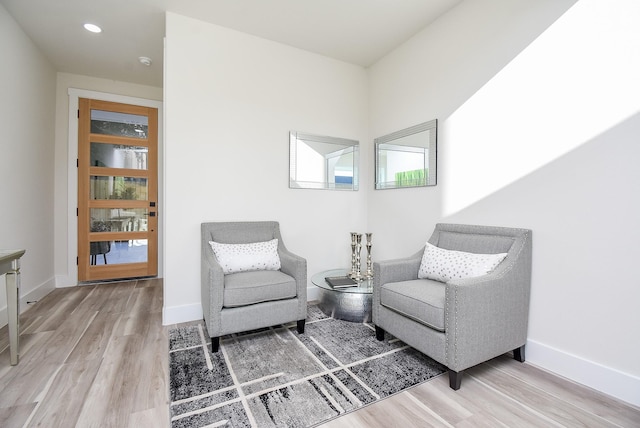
[211, 288]
[396, 270]
[487, 315]
[292, 264]
[296, 266]
[403, 269]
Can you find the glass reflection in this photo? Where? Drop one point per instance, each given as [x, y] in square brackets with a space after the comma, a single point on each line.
[127, 188]
[118, 252]
[402, 166]
[118, 219]
[118, 156]
[318, 162]
[407, 158]
[120, 124]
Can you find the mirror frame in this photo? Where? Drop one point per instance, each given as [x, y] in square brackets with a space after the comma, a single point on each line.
[351, 146]
[432, 150]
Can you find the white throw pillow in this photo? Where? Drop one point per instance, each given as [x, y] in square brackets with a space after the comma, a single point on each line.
[246, 257]
[443, 265]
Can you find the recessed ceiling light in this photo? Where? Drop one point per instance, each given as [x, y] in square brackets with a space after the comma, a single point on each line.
[145, 60]
[93, 28]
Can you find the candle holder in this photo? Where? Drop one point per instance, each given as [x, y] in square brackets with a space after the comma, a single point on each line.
[358, 276]
[354, 238]
[356, 247]
[369, 273]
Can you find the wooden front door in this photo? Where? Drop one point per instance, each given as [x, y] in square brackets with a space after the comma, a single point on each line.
[117, 190]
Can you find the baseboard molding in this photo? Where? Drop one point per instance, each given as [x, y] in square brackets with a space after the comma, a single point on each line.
[64, 281]
[32, 296]
[313, 293]
[615, 383]
[182, 313]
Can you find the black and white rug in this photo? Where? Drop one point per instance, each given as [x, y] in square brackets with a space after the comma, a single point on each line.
[277, 378]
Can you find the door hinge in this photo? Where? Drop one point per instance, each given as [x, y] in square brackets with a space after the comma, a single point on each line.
[77, 163]
[77, 262]
[76, 212]
[78, 113]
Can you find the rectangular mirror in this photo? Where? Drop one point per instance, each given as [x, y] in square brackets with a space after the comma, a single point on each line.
[407, 158]
[317, 162]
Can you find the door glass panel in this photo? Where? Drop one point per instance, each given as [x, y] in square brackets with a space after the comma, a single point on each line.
[120, 124]
[118, 252]
[118, 156]
[127, 188]
[118, 219]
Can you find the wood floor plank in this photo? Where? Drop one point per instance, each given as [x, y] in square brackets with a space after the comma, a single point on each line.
[114, 297]
[477, 398]
[56, 315]
[587, 399]
[155, 417]
[398, 410]
[95, 339]
[535, 399]
[15, 416]
[447, 406]
[61, 403]
[108, 401]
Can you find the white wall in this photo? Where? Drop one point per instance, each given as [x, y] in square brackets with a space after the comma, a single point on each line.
[27, 82]
[547, 141]
[65, 216]
[231, 100]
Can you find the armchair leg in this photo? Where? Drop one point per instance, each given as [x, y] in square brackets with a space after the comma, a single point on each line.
[301, 326]
[379, 333]
[455, 379]
[518, 354]
[215, 344]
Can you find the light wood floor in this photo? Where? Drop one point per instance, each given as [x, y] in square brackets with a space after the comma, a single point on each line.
[97, 356]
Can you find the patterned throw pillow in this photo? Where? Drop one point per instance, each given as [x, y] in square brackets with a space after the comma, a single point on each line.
[246, 257]
[443, 265]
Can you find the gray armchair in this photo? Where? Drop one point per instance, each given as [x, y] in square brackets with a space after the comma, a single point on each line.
[462, 322]
[249, 300]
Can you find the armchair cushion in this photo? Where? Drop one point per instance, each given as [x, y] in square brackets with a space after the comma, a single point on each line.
[422, 300]
[444, 265]
[248, 288]
[247, 257]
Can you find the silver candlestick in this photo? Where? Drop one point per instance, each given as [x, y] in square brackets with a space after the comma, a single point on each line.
[358, 276]
[354, 239]
[369, 272]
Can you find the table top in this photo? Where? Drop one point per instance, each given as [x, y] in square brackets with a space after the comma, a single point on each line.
[7, 256]
[11, 254]
[365, 287]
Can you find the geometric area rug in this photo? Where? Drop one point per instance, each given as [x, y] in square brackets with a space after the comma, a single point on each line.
[275, 377]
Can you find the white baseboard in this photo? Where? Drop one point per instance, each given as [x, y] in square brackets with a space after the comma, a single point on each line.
[65, 281]
[32, 296]
[182, 313]
[313, 293]
[615, 383]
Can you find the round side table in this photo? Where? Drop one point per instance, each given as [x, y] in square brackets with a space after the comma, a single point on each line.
[349, 303]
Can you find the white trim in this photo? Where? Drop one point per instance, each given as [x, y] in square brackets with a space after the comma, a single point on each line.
[313, 293]
[623, 386]
[72, 177]
[32, 296]
[182, 313]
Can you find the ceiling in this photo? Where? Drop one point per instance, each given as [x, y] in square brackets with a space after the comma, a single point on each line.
[354, 31]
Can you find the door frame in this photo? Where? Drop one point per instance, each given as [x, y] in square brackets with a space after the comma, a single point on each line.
[72, 173]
